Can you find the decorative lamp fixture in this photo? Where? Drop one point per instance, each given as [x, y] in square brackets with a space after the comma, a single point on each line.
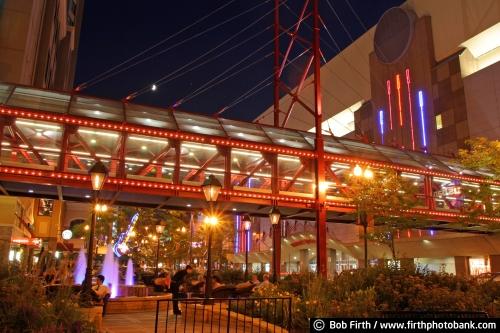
[211, 188]
[98, 174]
[274, 215]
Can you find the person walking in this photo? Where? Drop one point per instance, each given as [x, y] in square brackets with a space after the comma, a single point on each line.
[177, 280]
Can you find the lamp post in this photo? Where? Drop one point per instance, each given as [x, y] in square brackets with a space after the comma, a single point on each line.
[159, 231]
[362, 216]
[274, 216]
[211, 189]
[247, 225]
[98, 174]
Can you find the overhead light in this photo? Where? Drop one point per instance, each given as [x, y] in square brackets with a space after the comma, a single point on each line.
[241, 134]
[234, 209]
[97, 112]
[87, 196]
[93, 141]
[30, 191]
[191, 153]
[188, 205]
[144, 147]
[281, 140]
[196, 127]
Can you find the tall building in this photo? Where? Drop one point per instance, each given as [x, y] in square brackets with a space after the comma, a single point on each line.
[426, 77]
[39, 42]
[38, 47]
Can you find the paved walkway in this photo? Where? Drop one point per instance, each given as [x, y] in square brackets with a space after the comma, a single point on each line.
[144, 322]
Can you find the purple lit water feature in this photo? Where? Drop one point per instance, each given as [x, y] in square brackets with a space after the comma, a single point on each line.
[115, 278]
[129, 278]
[110, 271]
[81, 266]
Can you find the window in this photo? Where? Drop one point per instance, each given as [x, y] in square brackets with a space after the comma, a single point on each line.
[439, 122]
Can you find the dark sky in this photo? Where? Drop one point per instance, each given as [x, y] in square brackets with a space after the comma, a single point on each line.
[116, 30]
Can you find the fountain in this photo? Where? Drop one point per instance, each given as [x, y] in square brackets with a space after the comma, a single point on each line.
[129, 278]
[110, 271]
[81, 266]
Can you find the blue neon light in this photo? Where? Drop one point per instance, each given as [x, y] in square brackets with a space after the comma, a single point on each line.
[381, 122]
[421, 104]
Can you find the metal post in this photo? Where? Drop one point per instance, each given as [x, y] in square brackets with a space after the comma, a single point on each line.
[90, 253]
[191, 238]
[321, 257]
[208, 281]
[246, 254]
[364, 221]
[157, 256]
[276, 252]
[276, 63]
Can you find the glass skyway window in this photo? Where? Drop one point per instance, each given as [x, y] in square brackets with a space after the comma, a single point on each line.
[198, 124]
[244, 131]
[39, 100]
[149, 116]
[97, 108]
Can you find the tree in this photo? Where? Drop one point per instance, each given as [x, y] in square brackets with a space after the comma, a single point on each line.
[481, 153]
[386, 197]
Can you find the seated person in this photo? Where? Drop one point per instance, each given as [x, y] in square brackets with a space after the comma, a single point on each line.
[253, 282]
[265, 281]
[217, 282]
[197, 286]
[99, 291]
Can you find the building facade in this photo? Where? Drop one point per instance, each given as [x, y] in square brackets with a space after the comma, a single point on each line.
[425, 78]
[39, 42]
[38, 47]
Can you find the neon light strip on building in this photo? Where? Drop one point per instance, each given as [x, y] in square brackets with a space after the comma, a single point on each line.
[408, 84]
[398, 88]
[421, 104]
[389, 104]
[381, 123]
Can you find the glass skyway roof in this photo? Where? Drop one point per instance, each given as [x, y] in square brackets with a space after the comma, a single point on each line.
[169, 119]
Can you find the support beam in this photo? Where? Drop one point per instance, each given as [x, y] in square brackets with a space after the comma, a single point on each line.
[259, 165]
[59, 193]
[63, 157]
[24, 139]
[203, 167]
[151, 163]
[3, 190]
[320, 160]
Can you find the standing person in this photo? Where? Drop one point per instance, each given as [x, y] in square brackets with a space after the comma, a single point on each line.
[177, 280]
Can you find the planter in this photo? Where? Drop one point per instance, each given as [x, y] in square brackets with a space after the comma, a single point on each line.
[94, 315]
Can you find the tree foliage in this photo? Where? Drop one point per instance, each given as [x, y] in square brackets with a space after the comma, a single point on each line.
[481, 153]
[386, 197]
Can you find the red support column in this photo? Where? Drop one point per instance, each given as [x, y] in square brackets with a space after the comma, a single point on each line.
[429, 196]
[322, 256]
[177, 167]
[276, 63]
[63, 158]
[276, 264]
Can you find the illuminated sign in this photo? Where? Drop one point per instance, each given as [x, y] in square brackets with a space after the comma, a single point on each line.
[381, 123]
[389, 102]
[36, 242]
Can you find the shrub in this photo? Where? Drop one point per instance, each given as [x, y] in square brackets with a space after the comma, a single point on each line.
[25, 307]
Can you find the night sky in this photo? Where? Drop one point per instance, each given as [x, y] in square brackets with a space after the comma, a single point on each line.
[116, 30]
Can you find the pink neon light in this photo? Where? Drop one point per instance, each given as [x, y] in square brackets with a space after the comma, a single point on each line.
[389, 102]
[408, 83]
[398, 88]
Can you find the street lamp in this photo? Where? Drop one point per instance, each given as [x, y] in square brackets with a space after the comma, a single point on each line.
[159, 230]
[211, 189]
[274, 216]
[247, 225]
[362, 216]
[98, 174]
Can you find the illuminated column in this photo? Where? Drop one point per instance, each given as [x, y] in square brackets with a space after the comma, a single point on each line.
[400, 107]
[422, 118]
[408, 85]
[381, 123]
[389, 103]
